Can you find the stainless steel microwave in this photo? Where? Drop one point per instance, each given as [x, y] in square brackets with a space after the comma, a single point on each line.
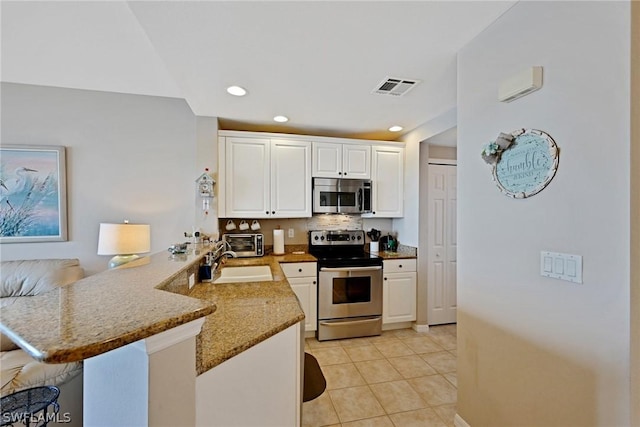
[331, 195]
[246, 245]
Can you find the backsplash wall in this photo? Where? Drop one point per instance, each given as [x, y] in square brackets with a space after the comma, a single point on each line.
[301, 226]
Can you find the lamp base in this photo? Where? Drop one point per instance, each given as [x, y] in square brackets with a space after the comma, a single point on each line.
[119, 260]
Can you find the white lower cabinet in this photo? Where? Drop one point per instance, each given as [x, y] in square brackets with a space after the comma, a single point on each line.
[302, 276]
[399, 291]
[261, 386]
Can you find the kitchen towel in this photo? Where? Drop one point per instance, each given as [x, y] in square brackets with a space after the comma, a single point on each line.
[278, 242]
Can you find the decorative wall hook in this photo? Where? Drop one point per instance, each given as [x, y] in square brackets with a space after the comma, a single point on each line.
[492, 151]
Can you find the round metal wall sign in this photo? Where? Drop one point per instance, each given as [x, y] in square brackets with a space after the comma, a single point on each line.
[528, 165]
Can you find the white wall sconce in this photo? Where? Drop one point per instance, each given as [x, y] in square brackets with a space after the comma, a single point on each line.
[520, 84]
[125, 241]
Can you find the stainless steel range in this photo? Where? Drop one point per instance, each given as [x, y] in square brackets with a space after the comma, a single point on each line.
[349, 285]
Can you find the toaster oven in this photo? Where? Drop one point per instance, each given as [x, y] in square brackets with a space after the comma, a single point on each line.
[245, 245]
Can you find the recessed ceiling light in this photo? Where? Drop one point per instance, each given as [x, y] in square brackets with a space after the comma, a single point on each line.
[395, 128]
[236, 91]
[281, 119]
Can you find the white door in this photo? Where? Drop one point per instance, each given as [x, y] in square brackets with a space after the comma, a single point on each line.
[442, 245]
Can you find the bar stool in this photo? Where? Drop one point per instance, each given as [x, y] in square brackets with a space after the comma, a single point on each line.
[23, 406]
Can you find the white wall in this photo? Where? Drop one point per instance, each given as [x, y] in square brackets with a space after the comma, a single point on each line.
[635, 208]
[412, 228]
[407, 226]
[532, 350]
[207, 162]
[128, 157]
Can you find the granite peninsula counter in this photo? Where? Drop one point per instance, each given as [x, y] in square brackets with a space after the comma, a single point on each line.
[105, 311]
[140, 326]
[248, 313]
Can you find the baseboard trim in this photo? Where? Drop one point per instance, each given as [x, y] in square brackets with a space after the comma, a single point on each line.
[458, 421]
[394, 326]
[420, 328]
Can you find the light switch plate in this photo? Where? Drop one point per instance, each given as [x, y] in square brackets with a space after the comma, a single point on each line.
[561, 266]
[192, 280]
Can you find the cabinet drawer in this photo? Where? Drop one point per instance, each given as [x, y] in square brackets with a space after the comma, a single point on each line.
[299, 269]
[399, 265]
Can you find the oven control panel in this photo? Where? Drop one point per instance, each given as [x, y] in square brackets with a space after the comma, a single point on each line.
[336, 237]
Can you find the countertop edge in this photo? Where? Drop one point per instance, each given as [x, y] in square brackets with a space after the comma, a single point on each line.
[80, 353]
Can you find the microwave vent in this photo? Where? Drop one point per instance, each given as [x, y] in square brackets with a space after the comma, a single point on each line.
[395, 86]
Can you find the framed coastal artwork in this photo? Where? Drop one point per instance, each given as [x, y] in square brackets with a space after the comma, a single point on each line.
[33, 194]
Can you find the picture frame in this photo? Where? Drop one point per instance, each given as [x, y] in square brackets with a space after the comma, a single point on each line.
[33, 194]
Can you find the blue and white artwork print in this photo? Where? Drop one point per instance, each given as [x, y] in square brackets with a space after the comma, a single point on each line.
[32, 194]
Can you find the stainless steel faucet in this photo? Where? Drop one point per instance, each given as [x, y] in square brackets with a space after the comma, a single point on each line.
[218, 257]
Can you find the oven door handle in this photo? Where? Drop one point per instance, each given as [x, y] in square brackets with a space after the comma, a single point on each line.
[350, 322]
[347, 269]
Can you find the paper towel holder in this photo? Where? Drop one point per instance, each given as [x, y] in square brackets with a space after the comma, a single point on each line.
[278, 241]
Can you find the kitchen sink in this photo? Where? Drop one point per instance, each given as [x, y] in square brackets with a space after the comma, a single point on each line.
[247, 273]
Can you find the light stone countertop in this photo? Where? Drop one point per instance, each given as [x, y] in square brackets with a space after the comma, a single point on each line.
[105, 311]
[248, 313]
[404, 252]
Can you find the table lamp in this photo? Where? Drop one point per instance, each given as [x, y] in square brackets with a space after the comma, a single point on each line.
[124, 241]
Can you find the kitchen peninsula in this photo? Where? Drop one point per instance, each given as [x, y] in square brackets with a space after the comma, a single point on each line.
[135, 328]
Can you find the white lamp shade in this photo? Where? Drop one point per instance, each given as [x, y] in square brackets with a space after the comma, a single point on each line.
[124, 239]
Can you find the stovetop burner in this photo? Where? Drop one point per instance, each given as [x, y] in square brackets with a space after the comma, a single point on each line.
[340, 248]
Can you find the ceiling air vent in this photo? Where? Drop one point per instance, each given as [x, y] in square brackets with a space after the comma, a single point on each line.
[395, 87]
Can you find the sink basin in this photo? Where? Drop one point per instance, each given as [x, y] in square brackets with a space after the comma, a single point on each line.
[248, 273]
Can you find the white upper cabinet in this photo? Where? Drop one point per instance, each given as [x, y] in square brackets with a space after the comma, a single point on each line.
[356, 161]
[265, 178]
[336, 160]
[268, 175]
[247, 177]
[290, 179]
[387, 176]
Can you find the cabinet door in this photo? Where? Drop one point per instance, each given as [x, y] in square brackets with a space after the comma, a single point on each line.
[247, 177]
[356, 161]
[327, 160]
[290, 179]
[306, 290]
[387, 173]
[399, 297]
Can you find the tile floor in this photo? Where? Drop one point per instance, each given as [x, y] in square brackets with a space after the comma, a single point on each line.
[399, 379]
